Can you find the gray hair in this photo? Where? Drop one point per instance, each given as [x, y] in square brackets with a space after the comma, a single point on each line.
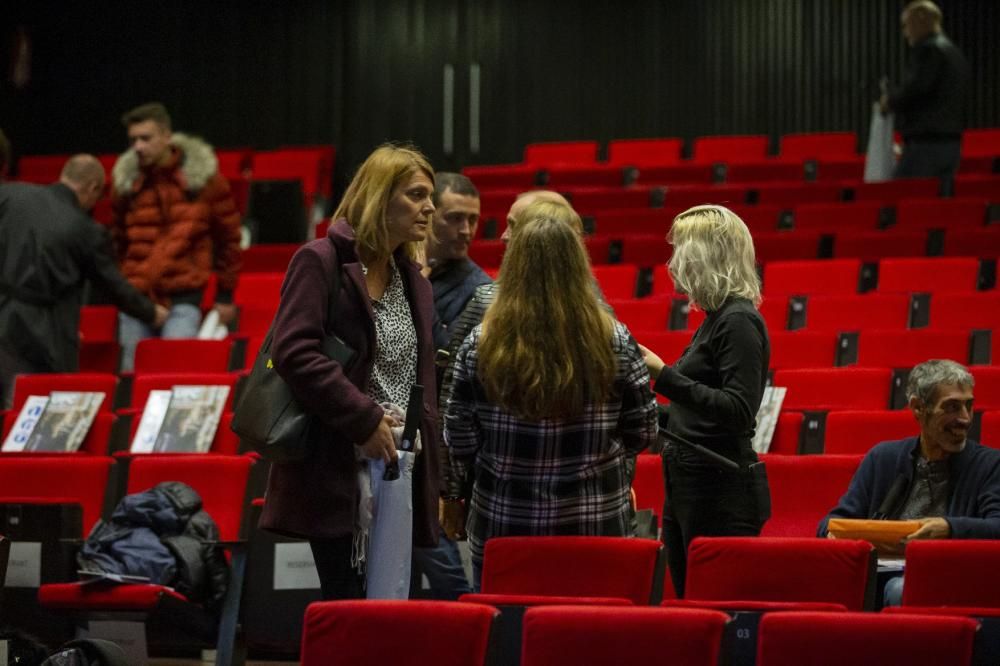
[926, 377]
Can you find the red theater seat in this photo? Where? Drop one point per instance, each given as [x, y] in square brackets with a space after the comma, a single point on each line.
[824, 389]
[780, 246]
[815, 277]
[668, 345]
[905, 349]
[792, 194]
[980, 243]
[568, 635]
[855, 432]
[593, 200]
[924, 214]
[872, 246]
[802, 349]
[645, 250]
[730, 149]
[259, 288]
[561, 152]
[648, 484]
[830, 218]
[965, 310]
[159, 355]
[952, 573]
[376, 633]
[766, 172]
[989, 429]
[857, 312]
[616, 281]
[834, 639]
[643, 314]
[818, 145]
[643, 152]
[79, 480]
[892, 191]
[787, 432]
[98, 323]
[686, 196]
[502, 177]
[487, 253]
[930, 275]
[985, 186]
[268, 258]
[803, 490]
[987, 388]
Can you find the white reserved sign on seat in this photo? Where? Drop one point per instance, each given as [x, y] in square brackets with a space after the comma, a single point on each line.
[24, 567]
[294, 567]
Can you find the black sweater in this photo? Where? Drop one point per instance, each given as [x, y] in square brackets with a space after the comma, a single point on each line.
[715, 387]
[930, 102]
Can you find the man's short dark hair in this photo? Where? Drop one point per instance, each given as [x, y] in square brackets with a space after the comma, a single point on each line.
[154, 111]
[456, 182]
[4, 153]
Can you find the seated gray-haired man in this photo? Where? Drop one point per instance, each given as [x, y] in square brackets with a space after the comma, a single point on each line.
[947, 482]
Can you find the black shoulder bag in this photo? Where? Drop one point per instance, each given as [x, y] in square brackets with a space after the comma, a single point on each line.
[268, 417]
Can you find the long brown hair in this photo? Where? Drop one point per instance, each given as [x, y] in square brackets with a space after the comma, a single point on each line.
[545, 347]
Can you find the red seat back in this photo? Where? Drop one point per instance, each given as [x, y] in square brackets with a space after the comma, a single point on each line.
[561, 152]
[79, 479]
[639, 152]
[929, 275]
[818, 145]
[857, 431]
[952, 573]
[730, 148]
[378, 632]
[571, 566]
[159, 355]
[905, 349]
[803, 490]
[43, 384]
[779, 569]
[835, 388]
[815, 277]
[857, 312]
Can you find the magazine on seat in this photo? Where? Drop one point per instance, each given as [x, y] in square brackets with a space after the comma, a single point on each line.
[181, 420]
[57, 423]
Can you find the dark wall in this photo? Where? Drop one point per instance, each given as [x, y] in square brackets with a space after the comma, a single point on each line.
[262, 73]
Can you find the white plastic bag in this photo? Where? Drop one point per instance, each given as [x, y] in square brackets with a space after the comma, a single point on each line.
[879, 160]
[390, 536]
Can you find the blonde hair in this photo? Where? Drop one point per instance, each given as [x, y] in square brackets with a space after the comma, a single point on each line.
[713, 257]
[367, 197]
[545, 347]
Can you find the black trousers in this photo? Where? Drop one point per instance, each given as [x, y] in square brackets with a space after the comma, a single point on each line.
[337, 578]
[703, 500]
[929, 159]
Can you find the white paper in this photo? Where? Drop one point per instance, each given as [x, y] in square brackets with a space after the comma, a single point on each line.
[25, 424]
[294, 567]
[149, 424]
[24, 567]
[192, 418]
[767, 417]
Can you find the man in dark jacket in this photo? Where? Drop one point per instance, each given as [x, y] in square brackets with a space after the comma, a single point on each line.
[930, 103]
[454, 278]
[49, 248]
[949, 483]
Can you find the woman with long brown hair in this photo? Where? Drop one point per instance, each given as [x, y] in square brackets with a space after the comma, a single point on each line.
[550, 396]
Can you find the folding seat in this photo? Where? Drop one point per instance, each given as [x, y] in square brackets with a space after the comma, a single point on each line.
[98, 323]
[601, 636]
[561, 152]
[751, 576]
[981, 141]
[379, 632]
[234, 162]
[855, 432]
[616, 281]
[856, 312]
[154, 355]
[818, 145]
[645, 250]
[594, 175]
[826, 389]
[648, 485]
[687, 196]
[833, 639]
[987, 388]
[320, 160]
[284, 165]
[804, 489]
[502, 177]
[759, 217]
[255, 319]
[787, 433]
[763, 172]
[976, 164]
[498, 200]
[905, 349]
[989, 429]
[668, 345]
[779, 246]
[48, 503]
[985, 186]
[872, 246]
[40, 169]
[644, 152]
[775, 313]
[793, 194]
[268, 257]
[928, 275]
[663, 284]
[979, 243]
[487, 252]
[643, 314]
[730, 149]
[965, 310]
[829, 218]
[802, 349]
[924, 214]
[221, 481]
[599, 249]
[811, 277]
[632, 221]
[893, 191]
[259, 288]
[685, 174]
[592, 200]
[840, 169]
[519, 572]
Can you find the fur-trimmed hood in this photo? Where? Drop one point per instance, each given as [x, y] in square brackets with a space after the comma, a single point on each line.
[197, 165]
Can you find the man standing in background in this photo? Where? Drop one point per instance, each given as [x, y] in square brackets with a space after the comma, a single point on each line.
[175, 223]
[929, 105]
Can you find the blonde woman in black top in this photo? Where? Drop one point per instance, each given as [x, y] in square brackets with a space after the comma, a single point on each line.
[715, 387]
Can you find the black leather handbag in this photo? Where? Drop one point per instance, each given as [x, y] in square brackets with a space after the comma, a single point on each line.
[268, 417]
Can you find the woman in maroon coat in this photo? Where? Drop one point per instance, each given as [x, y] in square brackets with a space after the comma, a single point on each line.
[383, 311]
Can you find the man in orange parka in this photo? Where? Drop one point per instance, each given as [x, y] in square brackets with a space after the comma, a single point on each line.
[175, 223]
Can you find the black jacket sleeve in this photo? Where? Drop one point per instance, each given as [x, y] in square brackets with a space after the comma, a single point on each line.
[99, 267]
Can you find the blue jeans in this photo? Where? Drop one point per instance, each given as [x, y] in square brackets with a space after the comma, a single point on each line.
[183, 322]
[892, 594]
[443, 567]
